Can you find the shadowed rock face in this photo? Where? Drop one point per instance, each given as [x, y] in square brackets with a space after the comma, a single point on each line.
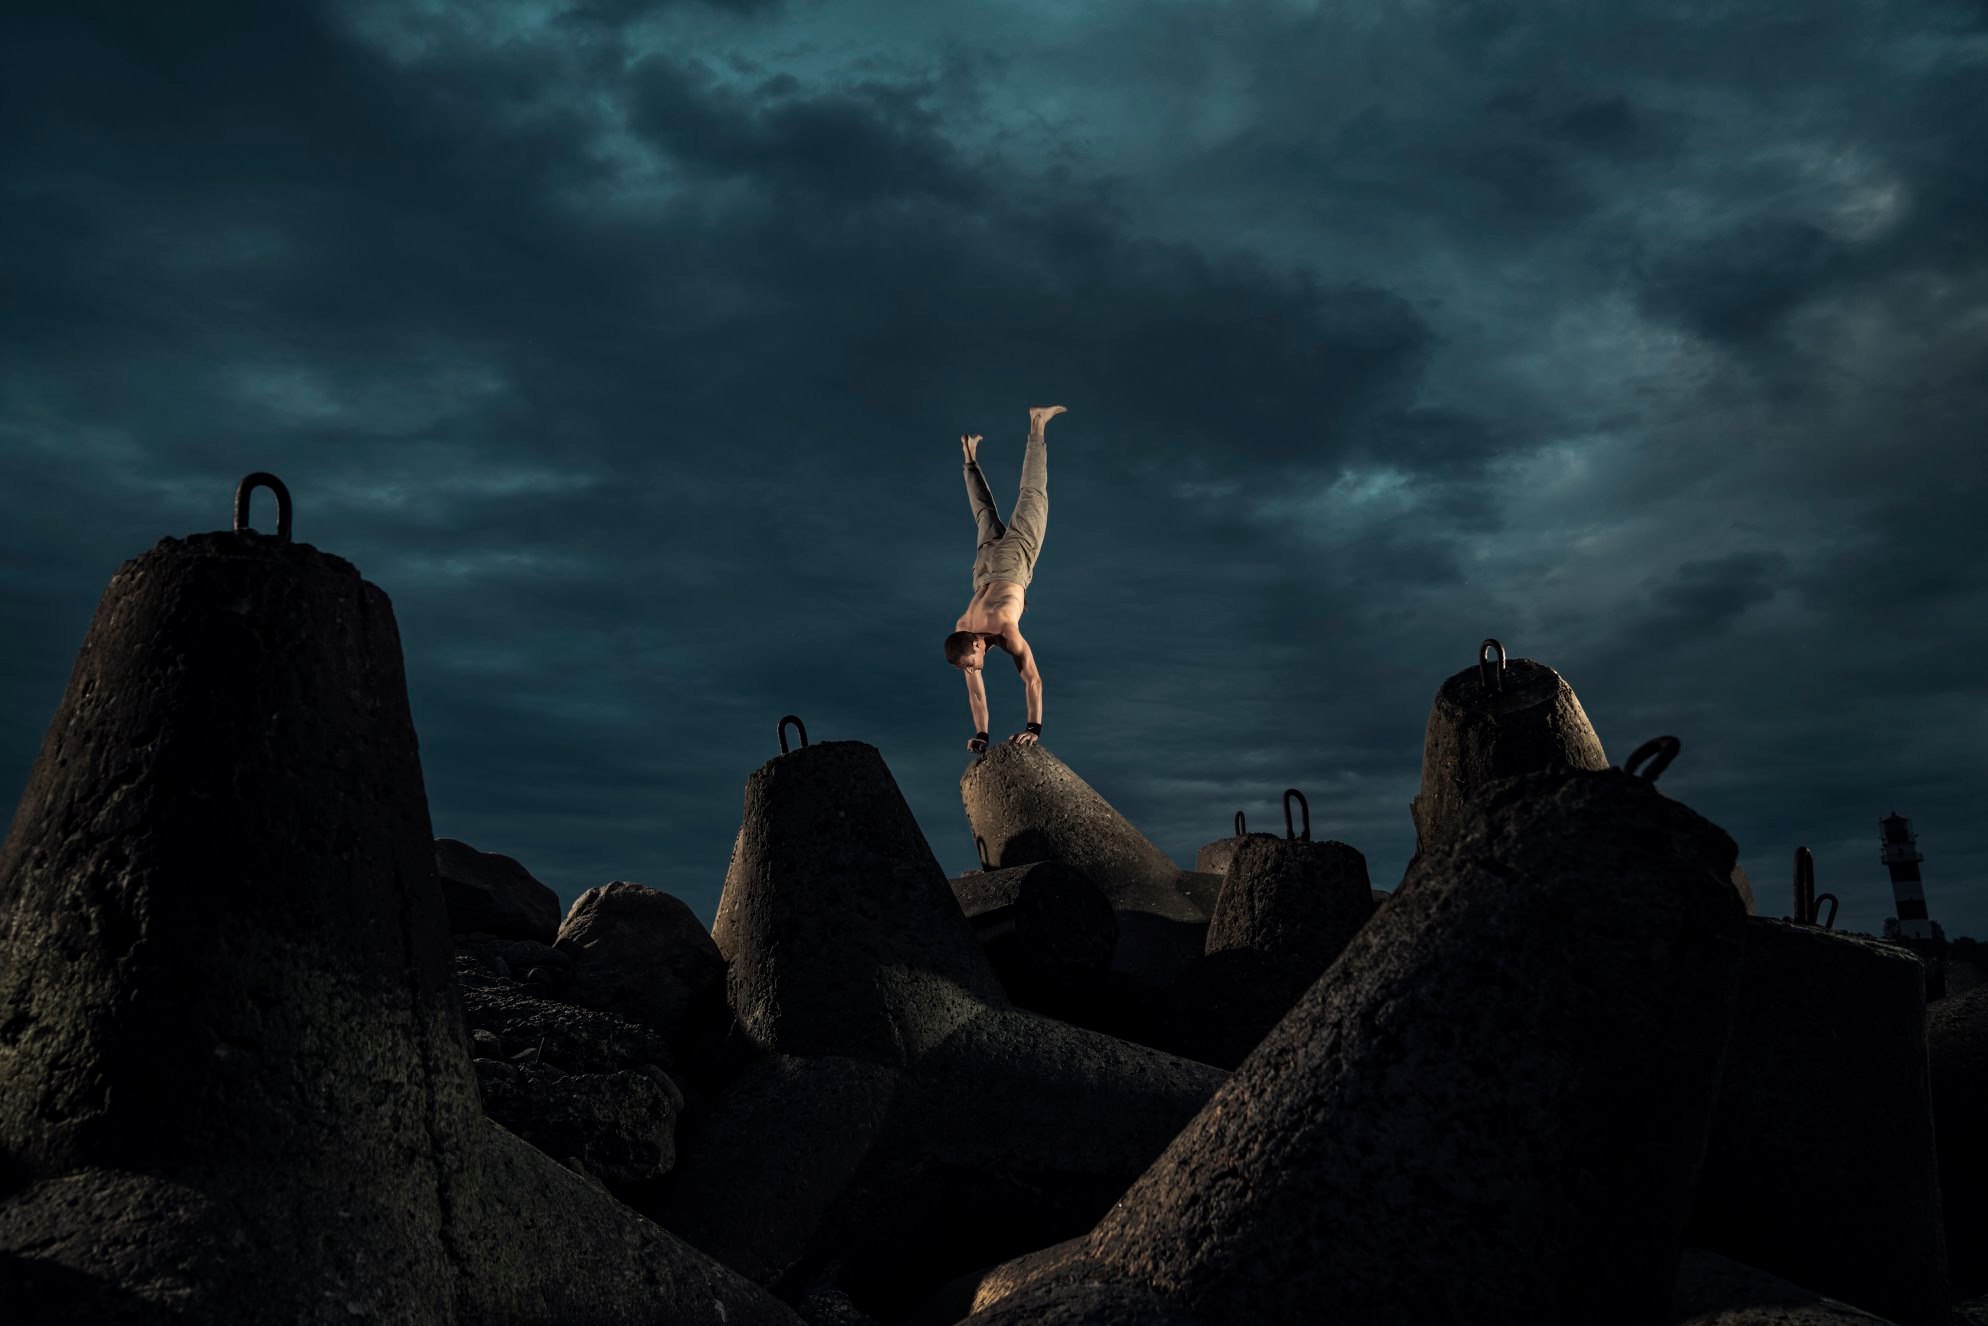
[235, 1076]
[1820, 1164]
[1717, 1291]
[494, 894]
[1477, 736]
[1493, 1107]
[1044, 918]
[1957, 1054]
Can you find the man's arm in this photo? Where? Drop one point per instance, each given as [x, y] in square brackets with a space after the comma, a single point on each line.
[976, 700]
[1031, 685]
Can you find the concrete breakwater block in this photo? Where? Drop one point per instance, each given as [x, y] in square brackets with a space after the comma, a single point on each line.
[1288, 908]
[1957, 1060]
[840, 932]
[1820, 1165]
[1042, 923]
[1496, 720]
[1023, 805]
[235, 1080]
[1505, 1047]
[1718, 1291]
[1213, 858]
[847, 948]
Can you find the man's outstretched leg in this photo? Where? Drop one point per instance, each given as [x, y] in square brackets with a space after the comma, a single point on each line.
[985, 515]
[1030, 519]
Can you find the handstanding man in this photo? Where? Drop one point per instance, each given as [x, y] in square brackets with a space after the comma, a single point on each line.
[1002, 569]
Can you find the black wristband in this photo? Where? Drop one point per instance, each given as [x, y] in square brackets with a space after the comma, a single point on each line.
[980, 736]
[1034, 727]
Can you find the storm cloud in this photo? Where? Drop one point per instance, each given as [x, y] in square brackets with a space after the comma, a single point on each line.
[626, 346]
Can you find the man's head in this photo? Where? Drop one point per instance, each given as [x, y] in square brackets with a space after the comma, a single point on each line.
[966, 650]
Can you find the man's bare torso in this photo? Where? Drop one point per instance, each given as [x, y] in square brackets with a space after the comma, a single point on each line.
[995, 611]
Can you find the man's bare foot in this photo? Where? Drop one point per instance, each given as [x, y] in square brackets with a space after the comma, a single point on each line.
[969, 445]
[1042, 414]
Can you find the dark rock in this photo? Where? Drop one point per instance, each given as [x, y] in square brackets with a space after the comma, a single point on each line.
[1505, 1047]
[254, 1100]
[1089, 1303]
[990, 1125]
[577, 1039]
[486, 1044]
[1038, 924]
[510, 958]
[1477, 735]
[1024, 805]
[1957, 1060]
[493, 894]
[1820, 1165]
[1717, 1291]
[832, 1307]
[643, 955]
[758, 1175]
[1973, 1312]
[621, 1126]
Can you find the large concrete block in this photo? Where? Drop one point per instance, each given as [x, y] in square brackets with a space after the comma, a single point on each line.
[1820, 1166]
[1493, 1110]
[235, 1080]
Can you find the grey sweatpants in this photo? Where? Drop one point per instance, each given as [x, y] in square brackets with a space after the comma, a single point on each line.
[1008, 552]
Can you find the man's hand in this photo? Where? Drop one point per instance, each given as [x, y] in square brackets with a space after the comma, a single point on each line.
[1023, 738]
[977, 744]
[1042, 414]
[969, 445]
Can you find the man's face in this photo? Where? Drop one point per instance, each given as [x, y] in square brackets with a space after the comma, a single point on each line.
[974, 658]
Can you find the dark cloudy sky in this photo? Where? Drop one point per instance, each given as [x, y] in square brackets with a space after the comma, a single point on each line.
[626, 346]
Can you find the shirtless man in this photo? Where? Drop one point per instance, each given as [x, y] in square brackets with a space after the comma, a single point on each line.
[1002, 569]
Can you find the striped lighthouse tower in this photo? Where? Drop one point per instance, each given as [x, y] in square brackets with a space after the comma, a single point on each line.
[1902, 857]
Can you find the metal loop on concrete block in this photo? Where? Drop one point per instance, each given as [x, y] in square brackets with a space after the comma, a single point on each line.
[1303, 805]
[1239, 824]
[275, 485]
[1829, 898]
[1804, 886]
[980, 850]
[799, 726]
[1492, 681]
[1664, 748]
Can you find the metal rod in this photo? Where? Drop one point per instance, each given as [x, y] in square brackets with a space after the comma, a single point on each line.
[1239, 824]
[802, 727]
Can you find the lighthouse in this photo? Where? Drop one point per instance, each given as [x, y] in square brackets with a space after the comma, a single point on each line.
[1901, 856]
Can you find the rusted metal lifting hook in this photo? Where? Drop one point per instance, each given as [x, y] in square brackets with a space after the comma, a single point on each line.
[1493, 681]
[1664, 748]
[1808, 904]
[275, 485]
[799, 726]
[1303, 805]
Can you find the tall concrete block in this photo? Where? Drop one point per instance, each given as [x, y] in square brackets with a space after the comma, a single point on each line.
[1488, 723]
[235, 1080]
[1507, 1046]
[1821, 1166]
